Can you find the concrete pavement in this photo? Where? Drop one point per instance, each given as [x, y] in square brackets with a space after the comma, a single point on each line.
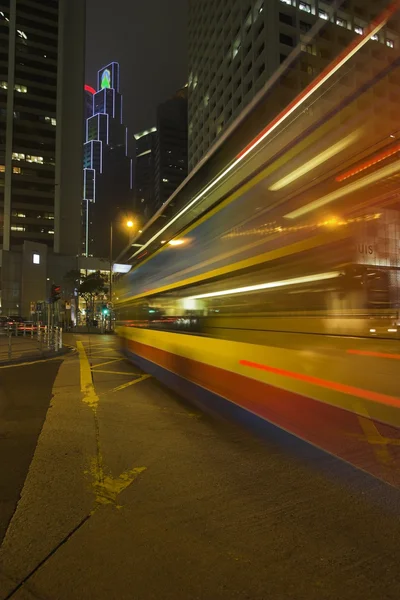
[25, 394]
[132, 494]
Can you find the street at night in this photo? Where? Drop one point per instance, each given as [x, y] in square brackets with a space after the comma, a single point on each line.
[133, 493]
[199, 300]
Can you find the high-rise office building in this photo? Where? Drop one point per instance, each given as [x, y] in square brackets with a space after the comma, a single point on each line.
[237, 45]
[144, 179]
[107, 166]
[89, 93]
[161, 156]
[171, 164]
[41, 110]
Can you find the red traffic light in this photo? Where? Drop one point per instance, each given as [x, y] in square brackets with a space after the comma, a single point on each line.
[55, 292]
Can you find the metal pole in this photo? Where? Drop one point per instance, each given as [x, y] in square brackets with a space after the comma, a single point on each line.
[60, 338]
[111, 267]
[48, 325]
[9, 346]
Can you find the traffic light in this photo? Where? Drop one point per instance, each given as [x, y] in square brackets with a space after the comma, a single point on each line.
[105, 310]
[55, 293]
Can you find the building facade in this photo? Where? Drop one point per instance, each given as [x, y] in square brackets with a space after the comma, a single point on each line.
[171, 161]
[42, 47]
[236, 46]
[161, 156]
[107, 166]
[144, 176]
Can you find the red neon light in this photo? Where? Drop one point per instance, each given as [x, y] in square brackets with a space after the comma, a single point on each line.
[381, 20]
[332, 385]
[374, 354]
[369, 163]
[88, 88]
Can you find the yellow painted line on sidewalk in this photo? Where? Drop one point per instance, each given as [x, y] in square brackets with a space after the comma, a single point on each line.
[93, 355]
[105, 487]
[125, 385]
[112, 372]
[87, 388]
[372, 436]
[33, 362]
[108, 362]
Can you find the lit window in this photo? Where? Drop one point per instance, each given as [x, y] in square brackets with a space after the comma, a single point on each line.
[289, 2]
[19, 215]
[341, 22]
[390, 43]
[2, 168]
[17, 170]
[309, 48]
[4, 85]
[22, 34]
[304, 6]
[34, 159]
[18, 156]
[18, 228]
[359, 30]
[51, 120]
[165, 180]
[323, 15]
[51, 231]
[36, 259]
[20, 88]
[375, 38]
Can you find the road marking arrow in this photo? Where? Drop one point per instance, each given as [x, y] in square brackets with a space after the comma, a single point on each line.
[106, 488]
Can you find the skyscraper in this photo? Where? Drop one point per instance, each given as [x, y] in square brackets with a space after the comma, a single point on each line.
[171, 164]
[41, 111]
[144, 179]
[107, 166]
[236, 46]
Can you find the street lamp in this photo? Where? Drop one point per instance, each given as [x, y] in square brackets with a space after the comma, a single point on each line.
[129, 224]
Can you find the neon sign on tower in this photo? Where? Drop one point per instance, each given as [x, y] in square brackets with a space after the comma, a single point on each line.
[106, 145]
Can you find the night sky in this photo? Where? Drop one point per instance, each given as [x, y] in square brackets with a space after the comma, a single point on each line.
[149, 40]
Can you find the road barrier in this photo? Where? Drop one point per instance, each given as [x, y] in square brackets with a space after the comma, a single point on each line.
[17, 340]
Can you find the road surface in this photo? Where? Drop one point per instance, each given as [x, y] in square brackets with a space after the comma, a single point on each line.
[133, 494]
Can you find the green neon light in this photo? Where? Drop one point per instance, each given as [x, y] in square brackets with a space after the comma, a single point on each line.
[105, 79]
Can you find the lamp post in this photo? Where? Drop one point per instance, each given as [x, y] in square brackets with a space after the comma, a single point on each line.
[129, 224]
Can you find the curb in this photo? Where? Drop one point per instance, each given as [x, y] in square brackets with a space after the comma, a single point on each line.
[37, 357]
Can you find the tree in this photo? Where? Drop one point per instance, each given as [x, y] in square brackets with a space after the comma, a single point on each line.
[91, 286]
[87, 287]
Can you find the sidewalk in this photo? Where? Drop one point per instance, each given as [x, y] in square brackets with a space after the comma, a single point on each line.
[23, 348]
[134, 495]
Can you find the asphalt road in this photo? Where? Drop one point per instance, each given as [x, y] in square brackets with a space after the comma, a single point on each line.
[132, 494]
[25, 394]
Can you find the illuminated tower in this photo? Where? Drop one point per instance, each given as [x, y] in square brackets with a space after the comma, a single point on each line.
[107, 174]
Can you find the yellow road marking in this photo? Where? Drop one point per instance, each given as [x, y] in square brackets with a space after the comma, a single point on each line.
[89, 394]
[100, 356]
[106, 488]
[34, 362]
[125, 385]
[113, 372]
[108, 362]
[372, 436]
